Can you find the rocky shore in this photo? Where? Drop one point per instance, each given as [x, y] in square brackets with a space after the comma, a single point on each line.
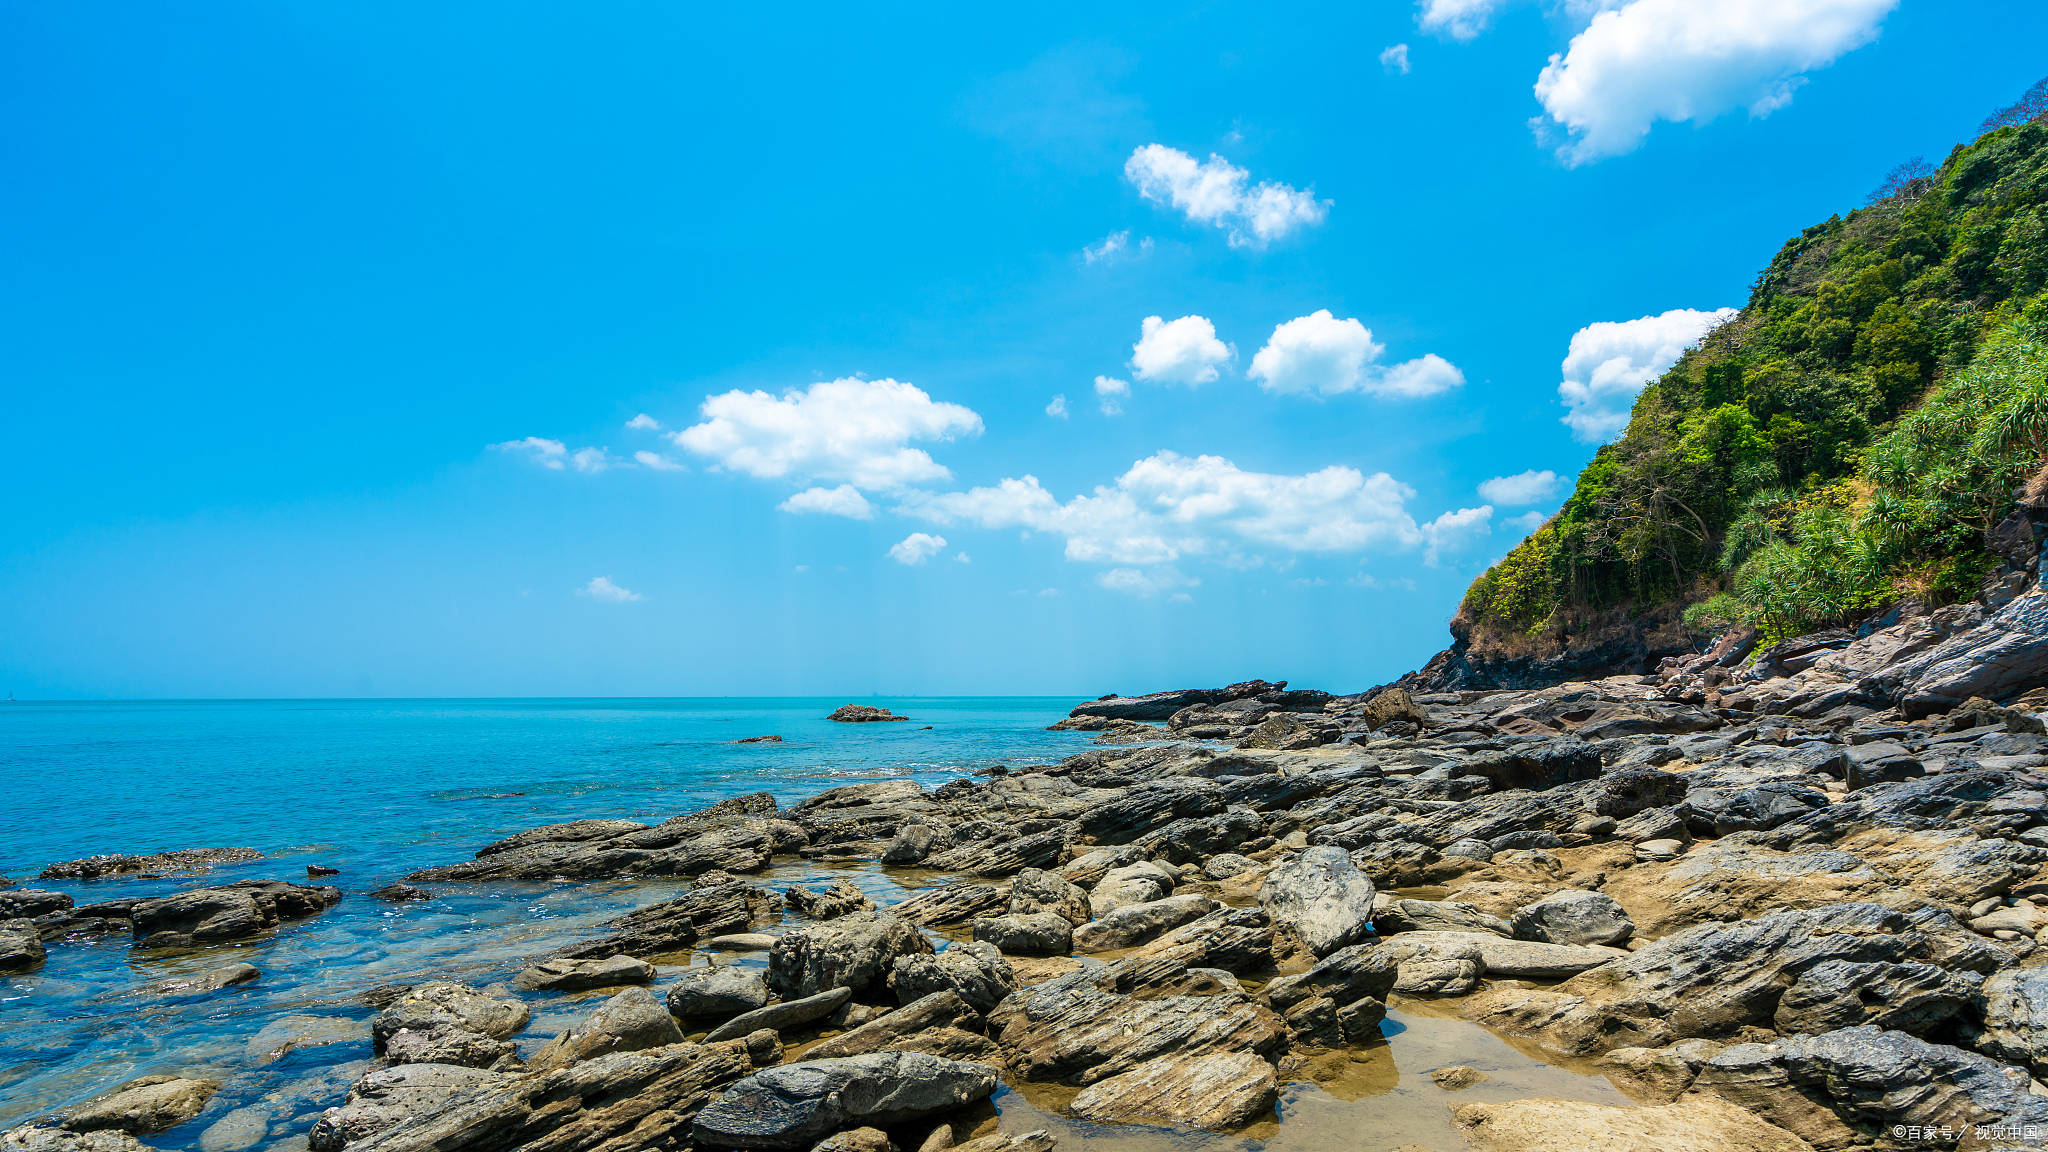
[1785, 899]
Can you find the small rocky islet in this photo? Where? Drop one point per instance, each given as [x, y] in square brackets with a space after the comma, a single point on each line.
[1782, 898]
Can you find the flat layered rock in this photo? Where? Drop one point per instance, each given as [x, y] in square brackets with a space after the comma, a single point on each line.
[141, 1107]
[951, 904]
[851, 952]
[182, 862]
[1080, 1028]
[793, 1105]
[1219, 1090]
[628, 1022]
[386, 1096]
[783, 1016]
[1135, 924]
[21, 946]
[226, 912]
[720, 907]
[570, 975]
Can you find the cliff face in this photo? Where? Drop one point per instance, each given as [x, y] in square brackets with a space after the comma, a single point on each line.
[1850, 440]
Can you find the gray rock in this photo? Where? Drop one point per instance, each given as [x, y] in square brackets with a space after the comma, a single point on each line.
[1517, 959]
[1223, 1090]
[143, 1106]
[1437, 916]
[976, 971]
[29, 903]
[566, 975]
[951, 904]
[156, 864]
[1134, 924]
[1321, 898]
[827, 901]
[226, 912]
[1572, 916]
[1089, 868]
[1225, 865]
[1633, 791]
[719, 992]
[628, 1022]
[1038, 934]
[445, 1023]
[1537, 766]
[236, 1131]
[792, 1105]
[41, 1138]
[1140, 882]
[852, 952]
[21, 946]
[2014, 1006]
[784, 1016]
[1341, 999]
[1036, 890]
[385, 1096]
[1089, 1025]
[1432, 965]
[941, 1024]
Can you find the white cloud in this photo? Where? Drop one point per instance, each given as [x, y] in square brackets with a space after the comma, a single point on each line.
[1110, 393]
[1167, 507]
[1139, 582]
[1115, 246]
[604, 591]
[1320, 354]
[1689, 60]
[849, 429]
[1455, 532]
[1184, 351]
[657, 461]
[1608, 363]
[1394, 58]
[1525, 523]
[546, 453]
[1458, 19]
[1530, 487]
[644, 423]
[962, 558]
[593, 460]
[917, 548]
[1220, 194]
[845, 500]
[1057, 408]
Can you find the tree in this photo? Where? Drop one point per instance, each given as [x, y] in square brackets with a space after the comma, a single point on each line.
[1905, 182]
[2033, 105]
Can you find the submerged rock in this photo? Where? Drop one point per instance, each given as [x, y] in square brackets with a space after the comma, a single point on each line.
[386, 1096]
[144, 1106]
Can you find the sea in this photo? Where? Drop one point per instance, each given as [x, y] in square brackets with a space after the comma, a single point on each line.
[380, 788]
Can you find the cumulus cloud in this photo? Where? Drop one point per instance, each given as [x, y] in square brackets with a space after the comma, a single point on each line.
[1455, 532]
[657, 462]
[1394, 58]
[1530, 487]
[1115, 246]
[1458, 19]
[917, 548]
[602, 590]
[1608, 363]
[1323, 355]
[1219, 194]
[850, 429]
[1184, 351]
[1686, 60]
[1057, 407]
[1167, 507]
[544, 452]
[1525, 523]
[844, 500]
[1110, 393]
[593, 460]
[644, 423]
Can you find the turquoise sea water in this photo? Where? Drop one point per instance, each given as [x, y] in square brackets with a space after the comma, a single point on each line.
[377, 789]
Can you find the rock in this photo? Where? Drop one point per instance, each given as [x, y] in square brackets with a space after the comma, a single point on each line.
[385, 1096]
[156, 864]
[143, 1106]
[742, 942]
[737, 835]
[1083, 1027]
[2014, 1007]
[227, 912]
[1518, 959]
[29, 903]
[21, 946]
[1434, 964]
[203, 982]
[402, 893]
[852, 952]
[1134, 924]
[445, 1023]
[1390, 705]
[1321, 898]
[1538, 765]
[1038, 934]
[288, 1034]
[1659, 850]
[628, 1022]
[977, 972]
[1633, 791]
[719, 992]
[1225, 865]
[939, 1024]
[239, 1129]
[1839, 1089]
[564, 975]
[1342, 999]
[1036, 890]
[782, 1017]
[951, 904]
[1220, 1090]
[827, 901]
[1039, 1141]
[854, 1140]
[1574, 917]
[1138, 883]
[1453, 1077]
[317, 871]
[771, 739]
[628, 1100]
[2006, 653]
[723, 907]
[1003, 857]
[792, 1105]
[1090, 868]
[1392, 916]
[863, 714]
[1702, 1124]
[39, 1138]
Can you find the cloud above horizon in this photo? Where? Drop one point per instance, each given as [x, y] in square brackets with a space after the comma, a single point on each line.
[1610, 362]
[1680, 61]
[850, 429]
[1319, 354]
[1184, 351]
[602, 590]
[1529, 487]
[1221, 195]
[844, 500]
[917, 548]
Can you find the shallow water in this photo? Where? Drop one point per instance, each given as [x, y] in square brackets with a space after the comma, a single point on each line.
[378, 789]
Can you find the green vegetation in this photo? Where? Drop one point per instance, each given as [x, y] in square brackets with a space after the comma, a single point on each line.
[1844, 441]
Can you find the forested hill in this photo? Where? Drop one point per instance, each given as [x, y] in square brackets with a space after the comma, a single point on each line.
[1846, 442]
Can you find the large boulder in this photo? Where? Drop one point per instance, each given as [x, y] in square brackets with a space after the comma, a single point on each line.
[977, 972]
[851, 952]
[1139, 882]
[827, 901]
[719, 992]
[226, 912]
[28, 903]
[1036, 890]
[1218, 1090]
[440, 1022]
[1038, 934]
[21, 946]
[1134, 924]
[2004, 655]
[1089, 1025]
[782, 1017]
[1572, 916]
[569, 975]
[791, 1106]
[1321, 898]
[628, 1022]
[386, 1096]
[141, 1107]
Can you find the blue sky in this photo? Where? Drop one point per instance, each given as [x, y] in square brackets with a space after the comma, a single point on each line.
[323, 324]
